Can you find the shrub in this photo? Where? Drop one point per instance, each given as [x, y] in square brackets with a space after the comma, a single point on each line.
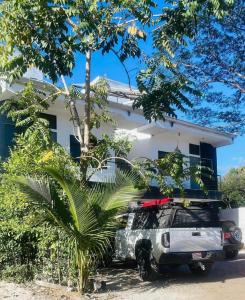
[18, 273]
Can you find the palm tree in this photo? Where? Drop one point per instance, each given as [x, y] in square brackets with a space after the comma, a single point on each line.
[88, 217]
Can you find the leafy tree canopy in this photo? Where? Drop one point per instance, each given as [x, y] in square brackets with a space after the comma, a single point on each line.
[48, 34]
[215, 62]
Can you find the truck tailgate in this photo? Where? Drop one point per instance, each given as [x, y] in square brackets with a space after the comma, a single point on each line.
[195, 239]
[195, 229]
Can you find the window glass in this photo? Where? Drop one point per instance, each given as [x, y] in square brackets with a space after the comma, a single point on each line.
[194, 163]
[151, 219]
[54, 136]
[195, 218]
[75, 150]
[7, 134]
[194, 149]
[52, 119]
[162, 154]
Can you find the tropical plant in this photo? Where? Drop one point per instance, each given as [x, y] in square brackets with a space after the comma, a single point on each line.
[233, 186]
[87, 216]
[172, 171]
[29, 242]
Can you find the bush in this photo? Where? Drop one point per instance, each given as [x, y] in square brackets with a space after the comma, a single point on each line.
[18, 273]
[233, 186]
[29, 245]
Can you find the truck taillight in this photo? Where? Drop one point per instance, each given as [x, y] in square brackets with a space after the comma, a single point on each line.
[227, 235]
[166, 240]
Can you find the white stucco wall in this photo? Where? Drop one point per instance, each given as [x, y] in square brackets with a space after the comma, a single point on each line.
[237, 215]
[163, 135]
[161, 140]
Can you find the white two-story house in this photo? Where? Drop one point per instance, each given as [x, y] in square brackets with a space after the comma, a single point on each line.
[150, 140]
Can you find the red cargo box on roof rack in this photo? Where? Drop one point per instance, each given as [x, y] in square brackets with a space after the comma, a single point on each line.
[155, 202]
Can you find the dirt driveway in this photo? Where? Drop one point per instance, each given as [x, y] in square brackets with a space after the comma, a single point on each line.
[225, 282]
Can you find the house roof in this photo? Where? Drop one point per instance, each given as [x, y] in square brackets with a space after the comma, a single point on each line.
[118, 98]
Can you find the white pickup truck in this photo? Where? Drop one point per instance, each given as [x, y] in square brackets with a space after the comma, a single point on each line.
[170, 235]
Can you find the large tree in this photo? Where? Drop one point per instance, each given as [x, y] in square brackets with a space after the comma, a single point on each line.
[233, 186]
[48, 34]
[215, 62]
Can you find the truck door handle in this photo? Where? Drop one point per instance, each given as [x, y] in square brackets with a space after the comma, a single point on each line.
[197, 233]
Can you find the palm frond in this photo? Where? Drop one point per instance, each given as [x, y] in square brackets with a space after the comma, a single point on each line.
[108, 200]
[73, 191]
[38, 191]
[89, 216]
[117, 194]
[83, 215]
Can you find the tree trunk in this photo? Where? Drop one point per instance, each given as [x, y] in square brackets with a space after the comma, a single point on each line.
[86, 134]
[76, 119]
[74, 113]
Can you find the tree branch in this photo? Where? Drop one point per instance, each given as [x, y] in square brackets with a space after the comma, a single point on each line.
[125, 69]
[73, 110]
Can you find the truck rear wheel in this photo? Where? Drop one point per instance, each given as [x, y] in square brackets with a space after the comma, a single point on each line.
[144, 264]
[201, 268]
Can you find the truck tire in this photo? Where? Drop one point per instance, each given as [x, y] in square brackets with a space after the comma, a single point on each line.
[202, 268]
[231, 254]
[144, 263]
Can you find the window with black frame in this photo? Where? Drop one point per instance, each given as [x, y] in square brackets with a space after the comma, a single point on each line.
[8, 131]
[75, 148]
[194, 149]
[162, 154]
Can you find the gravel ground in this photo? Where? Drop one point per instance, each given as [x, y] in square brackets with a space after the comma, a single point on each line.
[35, 291]
[226, 282]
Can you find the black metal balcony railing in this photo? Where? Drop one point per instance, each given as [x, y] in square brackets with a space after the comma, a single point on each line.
[209, 178]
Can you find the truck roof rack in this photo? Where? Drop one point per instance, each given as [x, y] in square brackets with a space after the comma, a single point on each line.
[174, 202]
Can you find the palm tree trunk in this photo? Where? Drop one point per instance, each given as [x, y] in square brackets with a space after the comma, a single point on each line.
[83, 263]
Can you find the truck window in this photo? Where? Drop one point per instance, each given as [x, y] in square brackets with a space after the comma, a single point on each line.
[151, 219]
[195, 218]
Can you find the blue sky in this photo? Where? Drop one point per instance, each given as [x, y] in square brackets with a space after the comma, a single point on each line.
[231, 156]
[109, 66]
